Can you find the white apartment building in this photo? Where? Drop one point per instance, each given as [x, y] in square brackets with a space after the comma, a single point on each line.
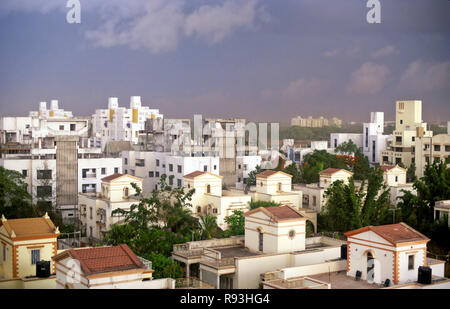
[436, 147]
[371, 142]
[51, 148]
[120, 123]
[297, 154]
[150, 166]
[408, 127]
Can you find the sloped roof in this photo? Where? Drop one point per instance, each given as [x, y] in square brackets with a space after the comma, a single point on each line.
[199, 173]
[118, 175]
[268, 173]
[101, 260]
[330, 171]
[396, 234]
[30, 227]
[386, 168]
[278, 213]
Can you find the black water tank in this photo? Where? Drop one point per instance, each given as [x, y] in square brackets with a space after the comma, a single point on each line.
[344, 252]
[424, 275]
[43, 269]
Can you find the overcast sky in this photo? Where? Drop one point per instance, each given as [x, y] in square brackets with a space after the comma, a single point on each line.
[263, 60]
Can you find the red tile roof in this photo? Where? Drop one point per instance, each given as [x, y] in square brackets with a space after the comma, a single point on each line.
[268, 173]
[112, 177]
[278, 213]
[30, 227]
[385, 168]
[199, 173]
[394, 233]
[331, 171]
[104, 259]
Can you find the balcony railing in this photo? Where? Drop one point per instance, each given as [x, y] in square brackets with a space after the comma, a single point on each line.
[214, 258]
[147, 263]
[184, 250]
[90, 175]
[192, 283]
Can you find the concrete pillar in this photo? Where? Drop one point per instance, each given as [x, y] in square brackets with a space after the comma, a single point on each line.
[188, 271]
[218, 282]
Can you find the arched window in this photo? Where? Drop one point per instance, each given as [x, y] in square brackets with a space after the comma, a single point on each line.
[280, 187]
[208, 189]
[199, 209]
[126, 192]
[261, 239]
[370, 266]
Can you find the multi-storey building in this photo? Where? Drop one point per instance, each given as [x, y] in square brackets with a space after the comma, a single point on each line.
[436, 147]
[311, 122]
[121, 123]
[408, 127]
[51, 148]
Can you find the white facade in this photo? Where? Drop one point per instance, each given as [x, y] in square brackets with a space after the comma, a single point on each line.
[338, 138]
[384, 252]
[121, 123]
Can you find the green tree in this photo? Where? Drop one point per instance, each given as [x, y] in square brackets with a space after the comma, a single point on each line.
[349, 207]
[256, 204]
[15, 201]
[208, 227]
[314, 163]
[167, 207]
[163, 266]
[294, 171]
[236, 224]
[251, 179]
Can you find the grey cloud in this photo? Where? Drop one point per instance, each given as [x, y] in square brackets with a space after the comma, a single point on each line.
[370, 78]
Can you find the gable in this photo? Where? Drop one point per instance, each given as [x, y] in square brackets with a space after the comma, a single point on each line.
[371, 236]
[126, 179]
[260, 215]
[3, 232]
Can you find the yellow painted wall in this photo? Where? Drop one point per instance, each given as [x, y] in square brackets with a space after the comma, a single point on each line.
[25, 268]
[135, 115]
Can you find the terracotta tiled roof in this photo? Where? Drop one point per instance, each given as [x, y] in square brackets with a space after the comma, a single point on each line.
[331, 171]
[385, 168]
[394, 233]
[278, 213]
[104, 259]
[30, 227]
[199, 173]
[112, 177]
[268, 173]
[116, 176]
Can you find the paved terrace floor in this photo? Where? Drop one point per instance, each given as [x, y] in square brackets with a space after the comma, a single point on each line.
[237, 251]
[339, 280]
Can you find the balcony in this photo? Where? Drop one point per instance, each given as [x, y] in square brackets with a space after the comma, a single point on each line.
[192, 283]
[89, 175]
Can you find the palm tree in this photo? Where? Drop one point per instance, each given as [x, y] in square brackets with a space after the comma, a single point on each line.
[208, 227]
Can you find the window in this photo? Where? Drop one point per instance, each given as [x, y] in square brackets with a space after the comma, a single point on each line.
[90, 213]
[44, 191]
[171, 181]
[35, 256]
[44, 174]
[151, 174]
[215, 211]
[437, 147]
[410, 262]
[170, 167]
[280, 187]
[157, 174]
[179, 169]
[157, 162]
[72, 127]
[447, 148]
[401, 121]
[413, 139]
[126, 192]
[239, 166]
[91, 232]
[244, 181]
[199, 209]
[116, 170]
[205, 168]
[103, 170]
[314, 200]
[396, 178]
[61, 128]
[261, 240]
[215, 167]
[335, 143]
[208, 189]
[291, 234]
[126, 160]
[398, 138]
[239, 179]
[24, 173]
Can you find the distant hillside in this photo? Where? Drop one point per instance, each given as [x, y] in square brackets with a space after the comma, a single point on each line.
[301, 133]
